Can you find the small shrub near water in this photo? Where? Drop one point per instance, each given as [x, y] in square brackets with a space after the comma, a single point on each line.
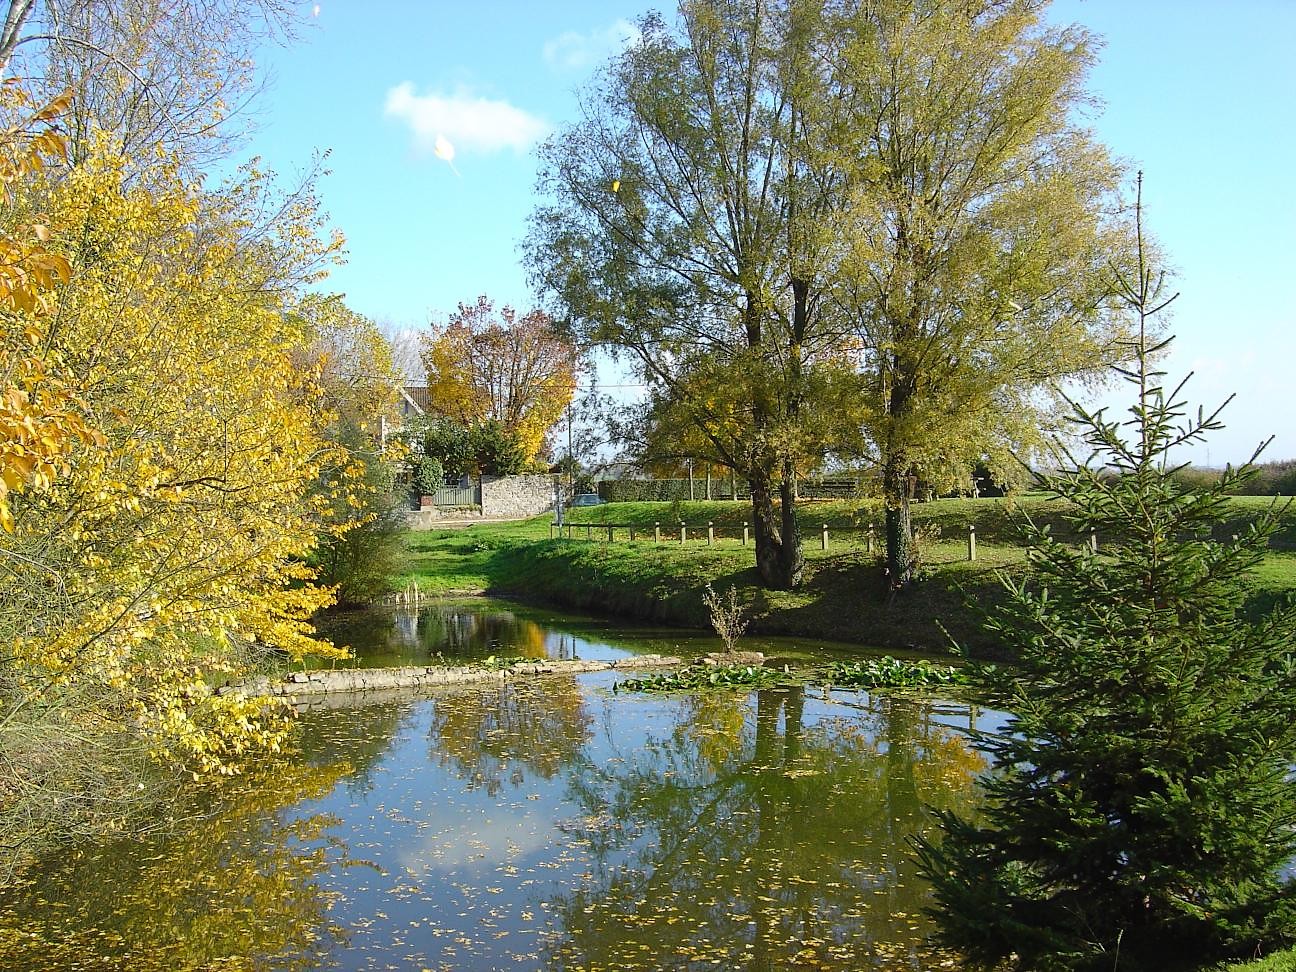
[728, 616]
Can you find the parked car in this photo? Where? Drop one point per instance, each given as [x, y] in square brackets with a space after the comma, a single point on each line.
[586, 499]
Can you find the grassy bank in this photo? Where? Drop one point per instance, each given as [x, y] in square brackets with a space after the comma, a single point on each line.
[843, 595]
[1278, 962]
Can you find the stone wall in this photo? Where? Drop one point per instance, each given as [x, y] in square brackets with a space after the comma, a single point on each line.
[431, 518]
[299, 688]
[514, 497]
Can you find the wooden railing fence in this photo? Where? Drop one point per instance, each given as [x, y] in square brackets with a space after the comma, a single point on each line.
[681, 533]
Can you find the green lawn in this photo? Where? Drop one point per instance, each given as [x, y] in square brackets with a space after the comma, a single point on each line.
[1278, 962]
[841, 600]
[996, 520]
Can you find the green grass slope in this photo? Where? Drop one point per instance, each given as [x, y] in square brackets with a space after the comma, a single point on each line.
[844, 594]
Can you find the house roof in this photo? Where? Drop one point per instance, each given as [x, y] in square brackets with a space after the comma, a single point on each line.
[417, 398]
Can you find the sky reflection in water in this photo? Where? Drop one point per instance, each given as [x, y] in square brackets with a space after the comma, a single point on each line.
[543, 824]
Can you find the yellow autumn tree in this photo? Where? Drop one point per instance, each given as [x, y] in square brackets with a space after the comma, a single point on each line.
[518, 371]
[360, 548]
[171, 551]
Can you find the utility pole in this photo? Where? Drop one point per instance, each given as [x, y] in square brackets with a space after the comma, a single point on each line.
[571, 459]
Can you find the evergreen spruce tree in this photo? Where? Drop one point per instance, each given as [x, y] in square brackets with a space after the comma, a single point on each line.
[1142, 811]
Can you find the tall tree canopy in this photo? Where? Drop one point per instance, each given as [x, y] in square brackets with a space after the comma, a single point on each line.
[167, 74]
[975, 249]
[180, 536]
[519, 372]
[773, 195]
[682, 231]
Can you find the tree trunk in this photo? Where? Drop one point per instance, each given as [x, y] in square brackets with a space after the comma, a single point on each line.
[11, 33]
[772, 558]
[897, 482]
[793, 714]
[769, 543]
[791, 557]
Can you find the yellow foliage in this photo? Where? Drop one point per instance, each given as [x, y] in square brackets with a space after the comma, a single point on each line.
[172, 550]
[39, 421]
[242, 882]
[357, 375]
[518, 371]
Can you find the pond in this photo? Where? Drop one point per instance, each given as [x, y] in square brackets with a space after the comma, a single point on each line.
[545, 823]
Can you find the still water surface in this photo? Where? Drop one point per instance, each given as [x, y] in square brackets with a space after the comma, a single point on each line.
[547, 823]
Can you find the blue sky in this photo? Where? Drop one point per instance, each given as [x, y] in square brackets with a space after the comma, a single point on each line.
[1201, 94]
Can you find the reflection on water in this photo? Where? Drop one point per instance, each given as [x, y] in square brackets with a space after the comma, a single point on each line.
[476, 628]
[490, 734]
[463, 631]
[240, 888]
[546, 823]
[766, 832]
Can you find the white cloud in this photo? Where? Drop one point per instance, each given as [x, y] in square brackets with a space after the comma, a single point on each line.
[470, 122]
[478, 844]
[574, 52]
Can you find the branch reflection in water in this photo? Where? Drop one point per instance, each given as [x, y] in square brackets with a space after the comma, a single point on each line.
[544, 823]
[767, 839]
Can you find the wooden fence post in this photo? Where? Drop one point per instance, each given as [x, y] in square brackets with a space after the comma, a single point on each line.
[869, 546]
[589, 532]
[632, 533]
[656, 532]
[971, 541]
[710, 531]
[609, 539]
[746, 529]
[683, 532]
[823, 540]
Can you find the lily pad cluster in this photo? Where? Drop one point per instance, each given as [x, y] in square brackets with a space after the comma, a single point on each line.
[885, 672]
[889, 672]
[500, 662]
[712, 676]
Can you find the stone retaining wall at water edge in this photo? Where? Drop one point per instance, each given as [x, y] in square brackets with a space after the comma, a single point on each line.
[303, 687]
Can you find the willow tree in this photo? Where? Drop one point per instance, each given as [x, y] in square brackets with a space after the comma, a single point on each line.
[682, 232]
[981, 225]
